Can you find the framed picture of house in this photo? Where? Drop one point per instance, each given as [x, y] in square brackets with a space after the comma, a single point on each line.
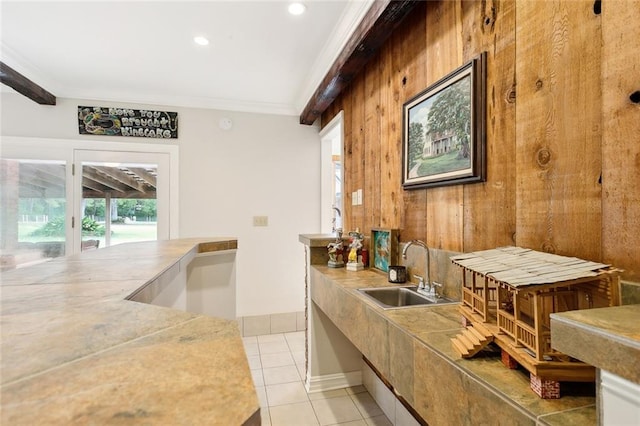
[384, 248]
[444, 130]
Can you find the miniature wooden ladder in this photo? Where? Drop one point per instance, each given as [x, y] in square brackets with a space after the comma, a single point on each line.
[472, 340]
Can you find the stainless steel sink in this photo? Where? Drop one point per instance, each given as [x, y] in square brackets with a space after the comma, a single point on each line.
[402, 297]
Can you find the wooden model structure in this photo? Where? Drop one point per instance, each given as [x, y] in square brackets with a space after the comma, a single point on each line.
[508, 294]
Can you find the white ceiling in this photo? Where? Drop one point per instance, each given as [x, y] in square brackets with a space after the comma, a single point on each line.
[260, 58]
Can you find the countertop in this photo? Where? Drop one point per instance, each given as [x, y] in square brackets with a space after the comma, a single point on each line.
[411, 347]
[76, 351]
[607, 338]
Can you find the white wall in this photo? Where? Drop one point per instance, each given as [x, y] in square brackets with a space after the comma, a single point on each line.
[266, 165]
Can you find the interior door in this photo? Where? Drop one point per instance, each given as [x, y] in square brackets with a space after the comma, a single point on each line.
[120, 197]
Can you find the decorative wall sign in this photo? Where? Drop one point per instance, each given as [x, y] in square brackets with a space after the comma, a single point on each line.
[444, 130]
[144, 123]
[384, 248]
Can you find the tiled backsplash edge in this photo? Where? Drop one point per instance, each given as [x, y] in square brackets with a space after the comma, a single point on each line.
[271, 323]
[630, 292]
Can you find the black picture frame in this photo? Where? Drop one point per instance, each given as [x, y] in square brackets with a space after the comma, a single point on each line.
[444, 135]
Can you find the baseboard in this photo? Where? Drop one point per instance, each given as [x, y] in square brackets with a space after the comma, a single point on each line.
[333, 381]
[272, 323]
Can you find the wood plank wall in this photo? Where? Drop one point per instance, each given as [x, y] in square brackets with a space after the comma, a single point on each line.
[563, 130]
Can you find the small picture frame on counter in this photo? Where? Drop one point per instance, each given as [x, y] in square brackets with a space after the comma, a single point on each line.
[384, 248]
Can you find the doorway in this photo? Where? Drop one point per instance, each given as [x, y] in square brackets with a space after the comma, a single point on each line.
[331, 169]
[118, 203]
[120, 197]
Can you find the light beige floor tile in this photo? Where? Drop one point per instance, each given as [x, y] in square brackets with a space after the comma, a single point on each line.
[366, 405]
[381, 420]
[300, 414]
[277, 375]
[265, 417]
[258, 378]
[302, 371]
[278, 359]
[296, 335]
[251, 349]
[250, 340]
[254, 362]
[353, 423]
[262, 396]
[327, 394]
[295, 340]
[286, 393]
[270, 338]
[279, 384]
[298, 357]
[296, 346]
[335, 410]
[273, 347]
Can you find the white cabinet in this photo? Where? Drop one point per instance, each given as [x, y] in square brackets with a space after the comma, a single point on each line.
[620, 400]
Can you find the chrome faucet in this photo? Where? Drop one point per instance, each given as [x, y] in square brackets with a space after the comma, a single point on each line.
[425, 286]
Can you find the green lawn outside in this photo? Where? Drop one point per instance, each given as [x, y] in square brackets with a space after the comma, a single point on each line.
[443, 163]
[120, 233]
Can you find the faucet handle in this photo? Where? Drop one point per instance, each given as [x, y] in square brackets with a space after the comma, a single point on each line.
[433, 288]
[420, 280]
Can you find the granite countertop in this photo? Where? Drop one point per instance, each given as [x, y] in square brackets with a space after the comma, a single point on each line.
[607, 338]
[75, 351]
[480, 385]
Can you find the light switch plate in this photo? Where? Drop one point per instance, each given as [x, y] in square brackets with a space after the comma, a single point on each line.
[261, 221]
[359, 196]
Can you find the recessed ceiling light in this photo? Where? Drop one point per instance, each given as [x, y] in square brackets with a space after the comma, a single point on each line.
[202, 41]
[297, 8]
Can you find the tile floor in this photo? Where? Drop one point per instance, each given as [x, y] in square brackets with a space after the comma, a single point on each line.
[277, 366]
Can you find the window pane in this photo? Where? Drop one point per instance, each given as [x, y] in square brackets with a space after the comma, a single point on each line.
[118, 203]
[32, 213]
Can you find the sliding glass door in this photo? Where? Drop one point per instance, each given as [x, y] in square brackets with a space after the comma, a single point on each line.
[121, 197]
[33, 217]
[58, 199]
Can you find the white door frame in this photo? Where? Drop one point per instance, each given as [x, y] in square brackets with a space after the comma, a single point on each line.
[332, 133]
[30, 148]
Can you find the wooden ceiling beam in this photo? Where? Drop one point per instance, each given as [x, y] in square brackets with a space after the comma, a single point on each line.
[378, 24]
[24, 86]
[92, 174]
[120, 176]
[88, 193]
[144, 175]
[92, 185]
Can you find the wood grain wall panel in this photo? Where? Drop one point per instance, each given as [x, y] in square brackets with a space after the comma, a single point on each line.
[408, 77]
[444, 46]
[548, 143]
[344, 104]
[489, 208]
[388, 122]
[372, 147]
[357, 174]
[413, 223]
[558, 130]
[621, 136]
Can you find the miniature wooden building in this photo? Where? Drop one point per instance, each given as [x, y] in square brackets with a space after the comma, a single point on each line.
[510, 293]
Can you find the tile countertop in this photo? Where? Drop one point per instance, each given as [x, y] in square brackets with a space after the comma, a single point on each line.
[75, 351]
[436, 378]
[607, 338]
